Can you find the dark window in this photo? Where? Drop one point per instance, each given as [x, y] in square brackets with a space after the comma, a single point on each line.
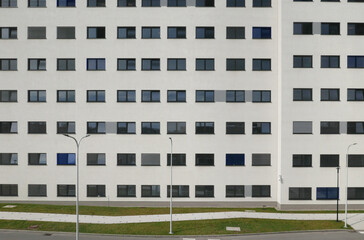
[176, 64]
[302, 28]
[355, 128]
[66, 64]
[96, 128]
[126, 95]
[176, 32]
[66, 127]
[96, 64]
[37, 33]
[330, 61]
[299, 193]
[202, 191]
[94, 159]
[66, 191]
[261, 128]
[330, 94]
[235, 159]
[205, 3]
[204, 159]
[150, 32]
[37, 96]
[151, 64]
[176, 127]
[126, 3]
[150, 191]
[95, 96]
[151, 3]
[235, 3]
[37, 159]
[95, 32]
[235, 64]
[36, 64]
[355, 28]
[66, 3]
[330, 28]
[37, 127]
[329, 160]
[126, 128]
[261, 96]
[176, 3]
[355, 94]
[8, 32]
[327, 193]
[8, 190]
[261, 159]
[8, 3]
[66, 33]
[8, 64]
[8, 95]
[66, 95]
[178, 191]
[126, 32]
[37, 190]
[205, 128]
[205, 96]
[330, 127]
[302, 94]
[66, 159]
[261, 191]
[261, 3]
[261, 64]
[8, 127]
[36, 3]
[126, 64]
[355, 61]
[96, 3]
[126, 159]
[179, 159]
[8, 159]
[235, 32]
[356, 160]
[235, 96]
[262, 33]
[355, 193]
[235, 128]
[176, 96]
[235, 191]
[150, 128]
[150, 96]
[205, 64]
[302, 160]
[95, 190]
[302, 61]
[126, 191]
[205, 32]
[355, 0]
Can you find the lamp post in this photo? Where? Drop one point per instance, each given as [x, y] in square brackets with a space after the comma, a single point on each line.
[347, 180]
[337, 196]
[78, 143]
[170, 189]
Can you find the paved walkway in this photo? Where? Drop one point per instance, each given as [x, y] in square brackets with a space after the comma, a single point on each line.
[355, 220]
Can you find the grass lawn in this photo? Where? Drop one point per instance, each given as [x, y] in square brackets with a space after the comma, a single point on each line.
[203, 227]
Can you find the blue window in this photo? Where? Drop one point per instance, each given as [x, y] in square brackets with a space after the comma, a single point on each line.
[355, 61]
[66, 3]
[235, 160]
[66, 159]
[326, 193]
[262, 33]
[96, 64]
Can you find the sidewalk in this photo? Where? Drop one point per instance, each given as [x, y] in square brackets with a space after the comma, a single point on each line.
[355, 220]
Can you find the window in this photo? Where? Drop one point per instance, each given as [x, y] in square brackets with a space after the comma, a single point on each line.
[8, 32]
[126, 191]
[66, 33]
[330, 28]
[37, 96]
[302, 28]
[327, 193]
[355, 61]
[235, 3]
[261, 64]
[95, 95]
[66, 95]
[96, 3]
[205, 96]
[36, 3]
[205, 3]
[261, 128]
[261, 159]
[178, 191]
[66, 3]
[235, 159]
[302, 94]
[37, 159]
[235, 32]
[179, 159]
[150, 128]
[204, 159]
[9, 159]
[176, 3]
[204, 191]
[205, 32]
[126, 64]
[355, 28]
[302, 160]
[151, 32]
[329, 160]
[126, 159]
[356, 160]
[95, 32]
[262, 33]
[8, 64]
[235, 128]
[150, 96]
[151, 3]
[37, 127]
[95, 190]
[330, 94]
[235, 191]
[150, 191]
[96, 127]
[126, 95]
[176, 127]
[66, 191]
[66, 127]
[330, 127]
[126, 33]
[176, 32]
[66, 64]
[302, 127]
[235, 96]
[152, 64]
[8, 95]
[126, 128]
[37, 190]
[126, 3]
[8, 190]
[355, 94]
[205, 128]
[96, 64]
[355, 128]
[261, 191]
[37, 33]
[36, 64]
[176, 64]
[205, 64]
[235, 64]
[330, 61]
[66, 159]
[302, 61]
[176, 96]
[8, 127]
[355, 0]
[299, 193]
[8, 3]
[261, 3]
[261, 96]
[355, 193]
[94, 159]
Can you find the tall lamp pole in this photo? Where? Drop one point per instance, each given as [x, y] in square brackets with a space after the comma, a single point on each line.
[337, 196]
[170, 189]
[347, 180]
[78, 143]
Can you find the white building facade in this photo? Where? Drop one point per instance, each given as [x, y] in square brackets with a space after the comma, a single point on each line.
[261, 98]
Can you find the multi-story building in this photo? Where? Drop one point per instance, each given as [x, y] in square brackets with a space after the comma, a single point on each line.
[261, 98]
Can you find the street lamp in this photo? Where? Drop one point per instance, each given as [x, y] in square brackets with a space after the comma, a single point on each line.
[170, 189]
[347, 180]
[337, 192]
[78, 143]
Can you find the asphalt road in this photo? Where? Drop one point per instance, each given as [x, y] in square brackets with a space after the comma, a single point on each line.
[27, 235]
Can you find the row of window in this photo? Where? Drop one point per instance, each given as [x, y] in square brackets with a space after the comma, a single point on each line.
[327, 61]
[356, 1]
[327, 28]
[178, 191]
[327, 160]
[329, 127]
[324, 193]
